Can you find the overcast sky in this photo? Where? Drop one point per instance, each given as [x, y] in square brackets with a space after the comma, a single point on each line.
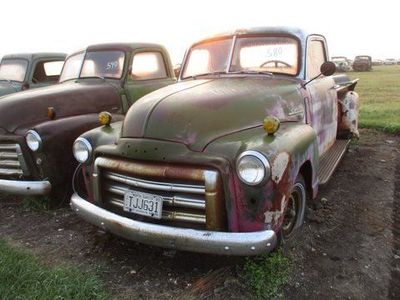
[351, 27]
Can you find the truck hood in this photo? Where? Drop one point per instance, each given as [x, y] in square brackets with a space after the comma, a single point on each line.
[9, 88]
[27, 108]
[196, 112]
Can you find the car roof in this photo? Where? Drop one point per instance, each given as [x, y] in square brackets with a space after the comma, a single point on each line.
[118, 47]
[122, 46]
[33, 56]
[280, 30]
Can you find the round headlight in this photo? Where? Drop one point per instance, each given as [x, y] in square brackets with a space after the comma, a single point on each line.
[252, 167]
[33, 140]
[82, 150]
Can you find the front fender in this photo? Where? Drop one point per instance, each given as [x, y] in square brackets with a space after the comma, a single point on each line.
[288, 150]
[57, 162]
[104, 135]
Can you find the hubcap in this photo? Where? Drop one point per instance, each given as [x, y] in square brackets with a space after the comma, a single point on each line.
[291, 214]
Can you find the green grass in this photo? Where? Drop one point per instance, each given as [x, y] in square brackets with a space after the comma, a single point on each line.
[379, 92]
[22, 276]
[267, 274]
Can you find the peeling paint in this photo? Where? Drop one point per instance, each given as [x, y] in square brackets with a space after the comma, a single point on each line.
[279, 166]
[350, 113]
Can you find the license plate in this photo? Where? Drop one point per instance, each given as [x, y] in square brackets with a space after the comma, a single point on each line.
[143, 204]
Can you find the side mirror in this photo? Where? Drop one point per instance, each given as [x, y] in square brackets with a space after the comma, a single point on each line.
[177, 70]
[328, 68]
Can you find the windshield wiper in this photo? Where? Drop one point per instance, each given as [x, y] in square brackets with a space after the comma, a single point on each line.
[206, 74]
[252, 72]
[3, 79]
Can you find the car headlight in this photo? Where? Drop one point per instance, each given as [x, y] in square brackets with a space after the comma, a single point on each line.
[252, 167]
[82, 150]
[33, 140]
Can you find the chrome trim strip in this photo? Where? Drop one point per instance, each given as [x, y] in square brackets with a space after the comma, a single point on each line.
[8, 155]
[226, 243]
[8, 147]
[9, 163]
[29, 188]
[154, 185]
[228, 67]
[11, 172]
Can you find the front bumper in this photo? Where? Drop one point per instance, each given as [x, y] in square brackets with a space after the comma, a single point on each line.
[226, 243]
[28, 188]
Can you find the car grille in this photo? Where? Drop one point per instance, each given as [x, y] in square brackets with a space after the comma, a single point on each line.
[12, 161]
[192, 197]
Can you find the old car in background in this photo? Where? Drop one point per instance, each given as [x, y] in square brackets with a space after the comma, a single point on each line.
[377, 62]
[362, 63]
[37, 128]
[25, 71]
[225, 160]
[341, 63]
[389, 61]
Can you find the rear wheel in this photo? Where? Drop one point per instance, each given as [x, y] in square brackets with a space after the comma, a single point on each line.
[295, 210]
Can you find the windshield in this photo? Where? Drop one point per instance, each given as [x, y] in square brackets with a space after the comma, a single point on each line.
[13, 69]
[107, 64]
[250, 54]
[72, 67]
[104, 64]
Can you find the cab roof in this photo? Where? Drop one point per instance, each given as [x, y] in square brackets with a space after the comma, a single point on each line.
[280, 30]
[33, 56]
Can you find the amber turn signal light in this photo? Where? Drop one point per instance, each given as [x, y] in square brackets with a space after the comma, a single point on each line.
[271, 124]
[105, 118]
[51, 113]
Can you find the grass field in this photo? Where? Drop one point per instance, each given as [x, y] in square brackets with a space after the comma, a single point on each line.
[379, 92]
[22, 276]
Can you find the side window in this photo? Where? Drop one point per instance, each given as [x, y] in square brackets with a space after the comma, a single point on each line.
[315, 58]
[47, 71]
[148, 65]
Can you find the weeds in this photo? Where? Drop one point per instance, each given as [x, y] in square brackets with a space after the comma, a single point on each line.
[267, 274]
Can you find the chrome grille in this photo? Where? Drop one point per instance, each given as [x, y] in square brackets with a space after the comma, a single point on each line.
[11, 160]
[180, 202]
[191, 196]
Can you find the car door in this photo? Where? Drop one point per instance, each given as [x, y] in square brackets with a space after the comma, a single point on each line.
[324, 110]
[149, 70]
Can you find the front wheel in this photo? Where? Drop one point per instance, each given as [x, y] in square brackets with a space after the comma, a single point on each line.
[295, 210]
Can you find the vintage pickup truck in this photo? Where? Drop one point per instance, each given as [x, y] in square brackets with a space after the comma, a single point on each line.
[20, 72]
[223, 161]
[38, 127]
[362, 63]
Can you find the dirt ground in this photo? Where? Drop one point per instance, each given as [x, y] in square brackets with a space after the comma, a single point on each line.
[349, 247]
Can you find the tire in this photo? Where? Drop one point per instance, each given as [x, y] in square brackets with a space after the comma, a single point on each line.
[295, 210]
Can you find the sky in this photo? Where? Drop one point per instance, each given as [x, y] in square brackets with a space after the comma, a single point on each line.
[350, 27]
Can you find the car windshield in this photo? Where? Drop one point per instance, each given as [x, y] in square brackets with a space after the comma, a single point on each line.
[102, 64]
[106, 64]
[72, 67]
[362, 57]
[251, 54]
[13, 69]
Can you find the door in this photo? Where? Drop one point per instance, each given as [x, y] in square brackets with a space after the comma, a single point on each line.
[323, 95]
[148, 72]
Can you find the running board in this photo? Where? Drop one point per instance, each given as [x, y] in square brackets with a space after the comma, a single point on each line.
[330, 160]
